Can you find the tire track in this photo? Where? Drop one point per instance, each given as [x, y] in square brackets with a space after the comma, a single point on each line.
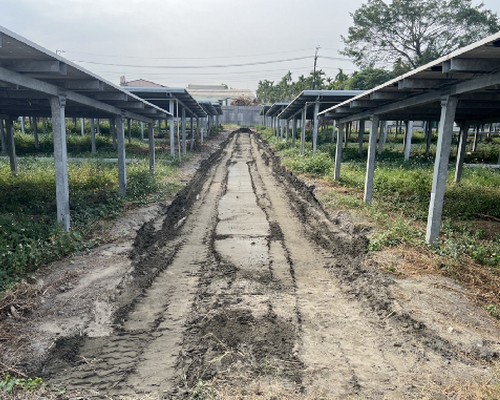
[141, 354]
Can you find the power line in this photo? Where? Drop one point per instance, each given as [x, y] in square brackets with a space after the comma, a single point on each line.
[335, 58]
[185, 58]
[191, 66]
[223, 73]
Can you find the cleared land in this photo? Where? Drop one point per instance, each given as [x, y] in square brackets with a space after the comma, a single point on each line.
[246, 288]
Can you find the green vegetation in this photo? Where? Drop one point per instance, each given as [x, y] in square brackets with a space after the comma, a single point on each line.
[11, 385]
[402, 193]
[78, 146]
[388, 39]
[286, 89]
[413, 33]
[29, 235]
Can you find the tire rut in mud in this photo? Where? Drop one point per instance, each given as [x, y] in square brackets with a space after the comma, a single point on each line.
[248, 283]
[244, 324]
[349, 245]
[150, 306]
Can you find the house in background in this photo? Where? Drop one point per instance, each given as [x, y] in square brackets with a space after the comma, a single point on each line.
[220, 94]
[139, 83]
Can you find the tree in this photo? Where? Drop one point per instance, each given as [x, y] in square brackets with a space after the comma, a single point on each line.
[339, 82]
[286, 90]
[267, 92]
[414, 32]
[244, 101]
[367, 78]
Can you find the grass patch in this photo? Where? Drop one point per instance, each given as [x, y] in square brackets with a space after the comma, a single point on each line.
[401, 200]
[78, 146]
[29, 235]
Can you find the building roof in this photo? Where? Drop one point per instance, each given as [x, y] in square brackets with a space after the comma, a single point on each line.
[161, 96]
[219, 94]
[29, 74]
[139, 83]
[472, 73]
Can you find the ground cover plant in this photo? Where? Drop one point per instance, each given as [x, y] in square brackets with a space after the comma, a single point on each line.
[469, 245]
[29, 235]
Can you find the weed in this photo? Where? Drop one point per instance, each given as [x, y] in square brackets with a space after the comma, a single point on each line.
[316, 165]
[10, 384]
[203, 391]
[29, 234]
[492, 310]
[401, 200]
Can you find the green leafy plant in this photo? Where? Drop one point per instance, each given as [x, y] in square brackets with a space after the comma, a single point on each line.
[402, 190]
[10, 384]
[203, 391]
[493, 310]
[29, 234]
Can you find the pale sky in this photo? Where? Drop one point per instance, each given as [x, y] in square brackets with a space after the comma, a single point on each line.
[146, 38]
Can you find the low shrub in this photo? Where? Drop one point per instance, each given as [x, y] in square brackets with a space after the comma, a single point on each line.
[29, 234]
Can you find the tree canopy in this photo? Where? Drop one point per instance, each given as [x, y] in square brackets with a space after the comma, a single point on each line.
[287, 89]
[405, 34]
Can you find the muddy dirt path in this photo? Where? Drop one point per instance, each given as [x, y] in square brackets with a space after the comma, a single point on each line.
[247, 286]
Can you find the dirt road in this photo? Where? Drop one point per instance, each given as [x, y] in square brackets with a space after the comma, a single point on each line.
[247, 287]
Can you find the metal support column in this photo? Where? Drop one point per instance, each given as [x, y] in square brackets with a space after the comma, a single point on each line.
[361, 135]
[370, 165]
[198, 130]
[476, 139]
[383, 137]
[191, 144]
[171, 108]
[202, 129]
[408, 137]
[122, 170]
[151, 140]
[112, 131]
[35, 132]
[82, 126]
[129, 129]
[461, 152]
[315, 126]
[428, 138]
[92, 136]
[10, 144]
[445, 136]
[303, 132]
[294, 131]
[3, 137]
[57, 107]
[338, 151]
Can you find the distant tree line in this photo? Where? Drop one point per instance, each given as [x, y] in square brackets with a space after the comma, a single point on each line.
[287, 89]
[388, 39]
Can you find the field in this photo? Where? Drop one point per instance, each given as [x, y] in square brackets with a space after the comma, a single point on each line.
[262, 278]
[469, 246]
[30, 236]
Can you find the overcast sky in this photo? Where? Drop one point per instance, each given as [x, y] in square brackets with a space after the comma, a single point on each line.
[146, 38]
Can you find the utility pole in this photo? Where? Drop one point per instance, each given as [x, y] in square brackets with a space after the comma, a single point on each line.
[314, 67]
